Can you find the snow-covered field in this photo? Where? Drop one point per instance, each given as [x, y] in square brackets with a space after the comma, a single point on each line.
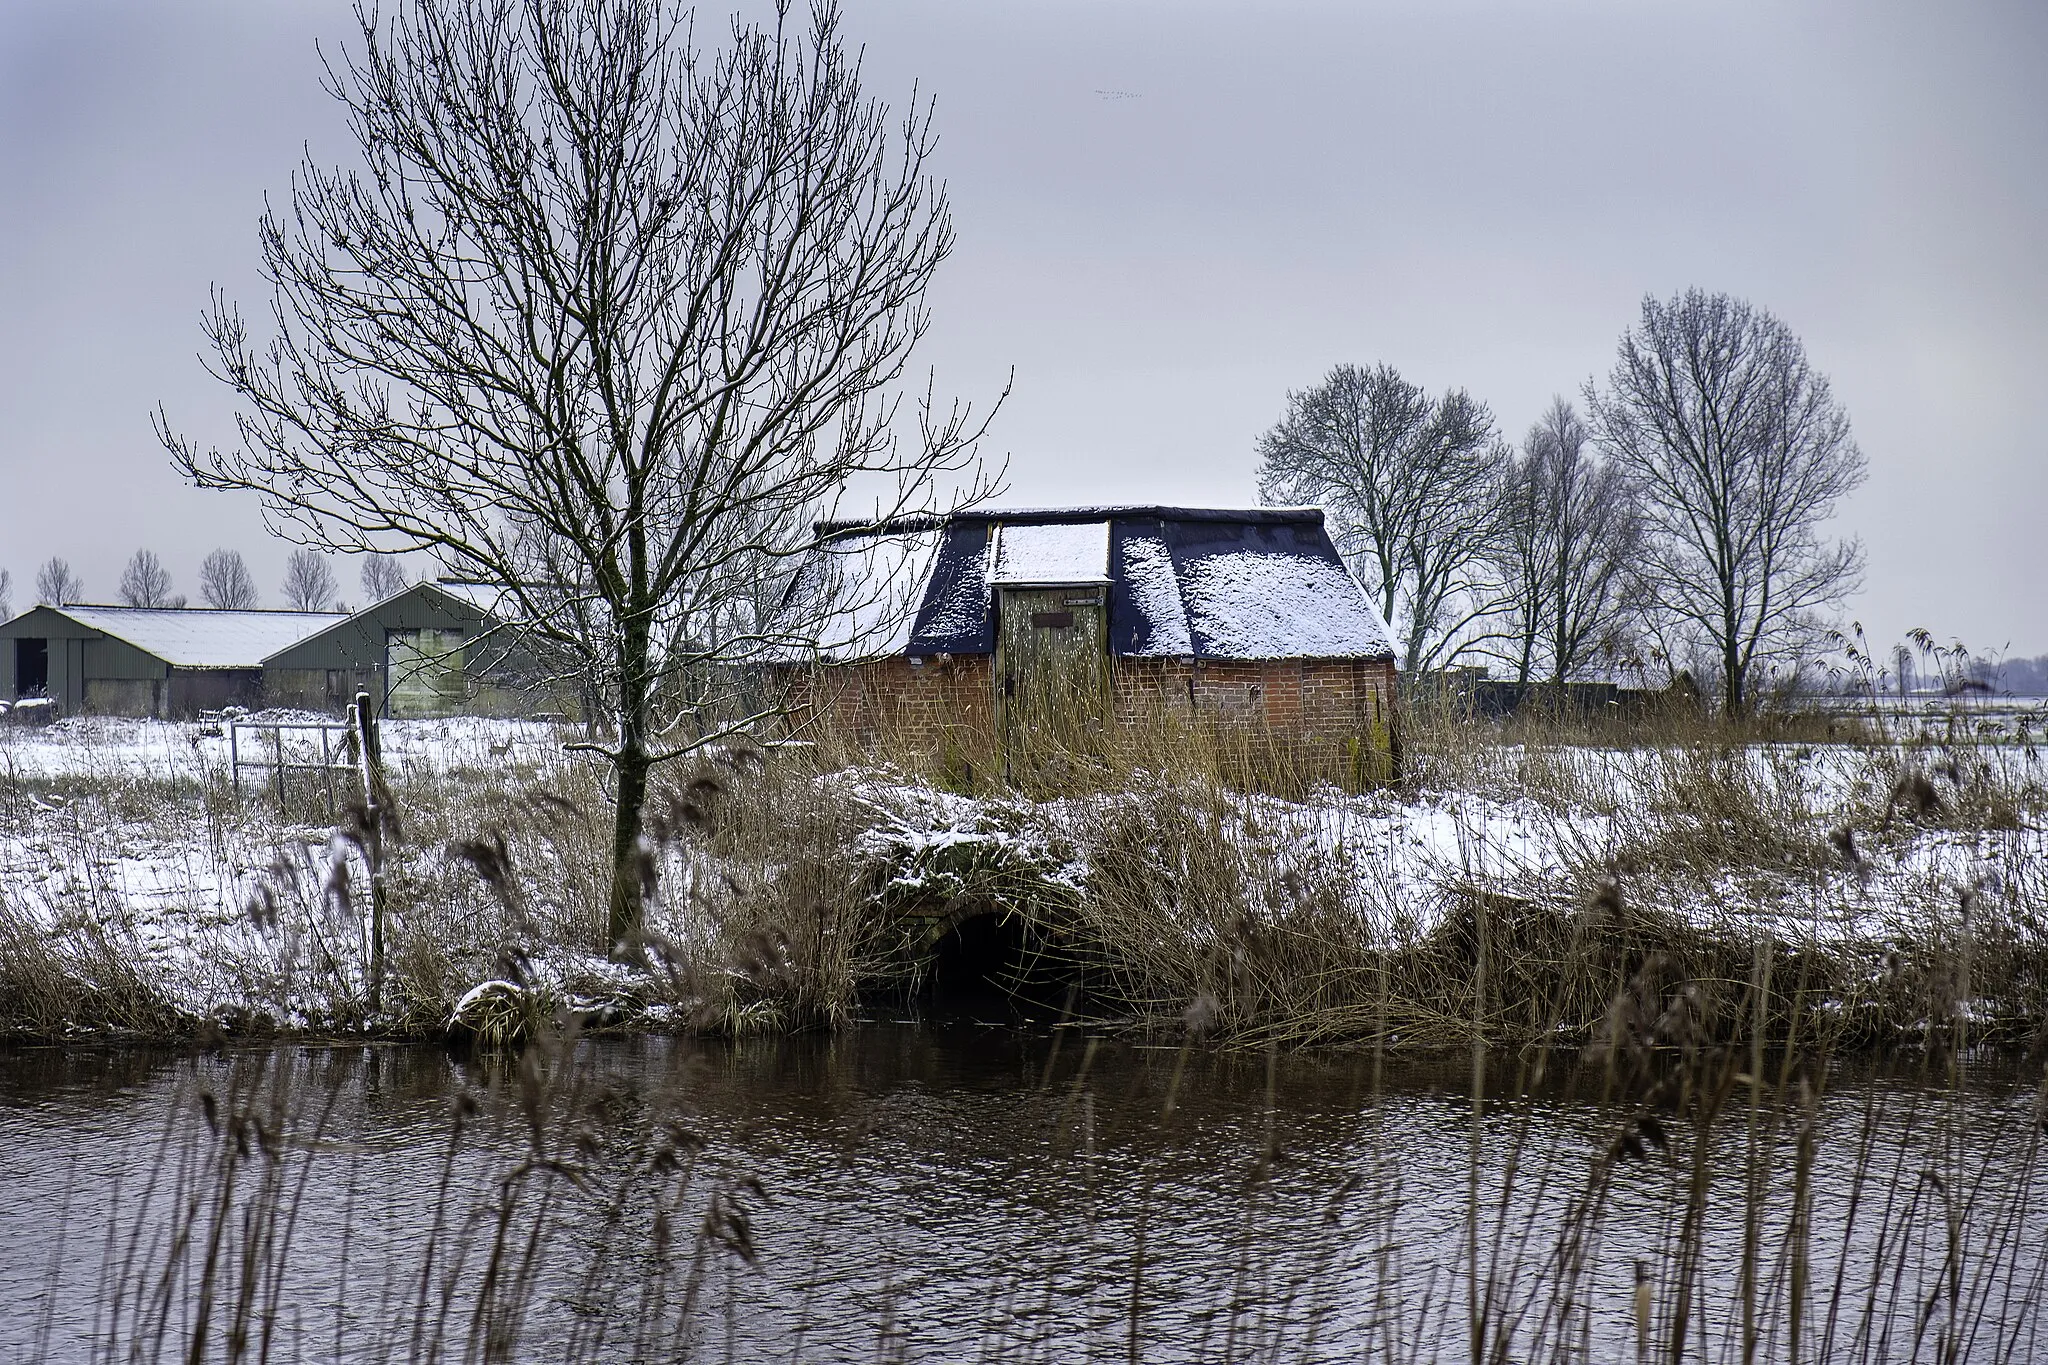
[122, 832]
[1409, 854]
[110, 747]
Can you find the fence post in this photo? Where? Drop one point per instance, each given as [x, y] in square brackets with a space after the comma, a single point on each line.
[364, 720]
[235, 758]
[327, 769]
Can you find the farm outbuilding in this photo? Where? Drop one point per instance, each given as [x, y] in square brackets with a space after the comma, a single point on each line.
[428, 650]
[1058, 624]
[425, 650]
[145, 661]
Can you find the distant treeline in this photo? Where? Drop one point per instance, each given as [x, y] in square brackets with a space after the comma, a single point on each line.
[2021, 677]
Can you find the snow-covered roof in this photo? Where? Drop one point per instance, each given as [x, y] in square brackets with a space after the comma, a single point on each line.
[1050, 553]
[1203, 583]
[858, 597]
[201, 637]
[1256, 604]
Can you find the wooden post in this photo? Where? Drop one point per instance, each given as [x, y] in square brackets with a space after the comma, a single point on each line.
[364, 719]
[235, 758]
[277, 748]
[327, 768]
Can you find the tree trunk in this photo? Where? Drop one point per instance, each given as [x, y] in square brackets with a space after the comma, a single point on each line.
[627, 891]
[629, 895]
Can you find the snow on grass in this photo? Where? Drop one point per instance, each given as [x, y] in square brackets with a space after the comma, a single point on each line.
[111, 747]
[171, 880]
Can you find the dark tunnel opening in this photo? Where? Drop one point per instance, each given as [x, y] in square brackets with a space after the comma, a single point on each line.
[996, 966]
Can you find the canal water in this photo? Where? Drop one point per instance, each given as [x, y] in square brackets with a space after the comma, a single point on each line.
[958, 1191]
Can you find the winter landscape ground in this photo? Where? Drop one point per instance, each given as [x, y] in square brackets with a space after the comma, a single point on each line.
[142, 893]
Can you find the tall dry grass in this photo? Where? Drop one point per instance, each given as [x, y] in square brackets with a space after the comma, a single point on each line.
[1719, 1201]
[1171, 872]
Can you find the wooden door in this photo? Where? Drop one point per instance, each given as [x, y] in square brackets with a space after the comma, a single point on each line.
[1052, 674]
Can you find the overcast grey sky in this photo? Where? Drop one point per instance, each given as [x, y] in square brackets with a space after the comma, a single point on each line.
[1170, 214]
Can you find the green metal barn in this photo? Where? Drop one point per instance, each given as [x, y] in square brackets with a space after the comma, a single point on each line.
[428, 650]
[146, 661]
[425, 650]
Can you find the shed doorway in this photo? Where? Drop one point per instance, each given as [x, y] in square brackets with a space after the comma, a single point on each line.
[1052, 676]
[423, 673]
[31, 668]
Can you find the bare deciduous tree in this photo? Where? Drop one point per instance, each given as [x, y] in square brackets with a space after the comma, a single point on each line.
[382, 576]
[6, 594]
[56, 584]
[145, 582]
[225, 581]
[308, 583]
[1412, 489]
[610, 322]
[1739, 453]
[1569, 537]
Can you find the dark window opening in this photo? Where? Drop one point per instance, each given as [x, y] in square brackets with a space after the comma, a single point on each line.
[1057, 620]
[31, 668]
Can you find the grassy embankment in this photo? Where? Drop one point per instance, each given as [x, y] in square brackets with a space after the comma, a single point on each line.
[1812, 877]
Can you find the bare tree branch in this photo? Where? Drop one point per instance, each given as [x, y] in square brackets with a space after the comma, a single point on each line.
[1412, 488]
[1570, 536]
[608, 322]
[56, 584]
[225, 581]
[145, 582]
[1738, 453]
[383, 575]
[308, 583]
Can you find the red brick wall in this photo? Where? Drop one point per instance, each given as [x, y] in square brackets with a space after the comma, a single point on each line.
[1327, 708]
[920, 704]
[1308, 697]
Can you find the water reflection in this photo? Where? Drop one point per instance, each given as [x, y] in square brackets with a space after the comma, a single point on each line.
[964, 1192]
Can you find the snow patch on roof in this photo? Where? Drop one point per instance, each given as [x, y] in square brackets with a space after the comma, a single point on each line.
[1155, 590]
[861, 595]
[961, 602]
[199, 637]
[1054, 552]
[1256, 604]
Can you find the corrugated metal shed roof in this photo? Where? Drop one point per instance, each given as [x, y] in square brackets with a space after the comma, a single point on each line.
[201, 637]
[1204, 583]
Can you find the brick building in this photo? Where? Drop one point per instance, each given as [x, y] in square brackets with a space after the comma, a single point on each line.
[1023, 629]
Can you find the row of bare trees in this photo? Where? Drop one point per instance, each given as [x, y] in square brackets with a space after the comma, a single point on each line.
[1678, 521]
[225, 582]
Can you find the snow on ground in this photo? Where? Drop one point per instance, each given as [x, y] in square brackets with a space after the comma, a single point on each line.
[109, 747]
[92, 848]
[174, 884]
[1403, 858]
